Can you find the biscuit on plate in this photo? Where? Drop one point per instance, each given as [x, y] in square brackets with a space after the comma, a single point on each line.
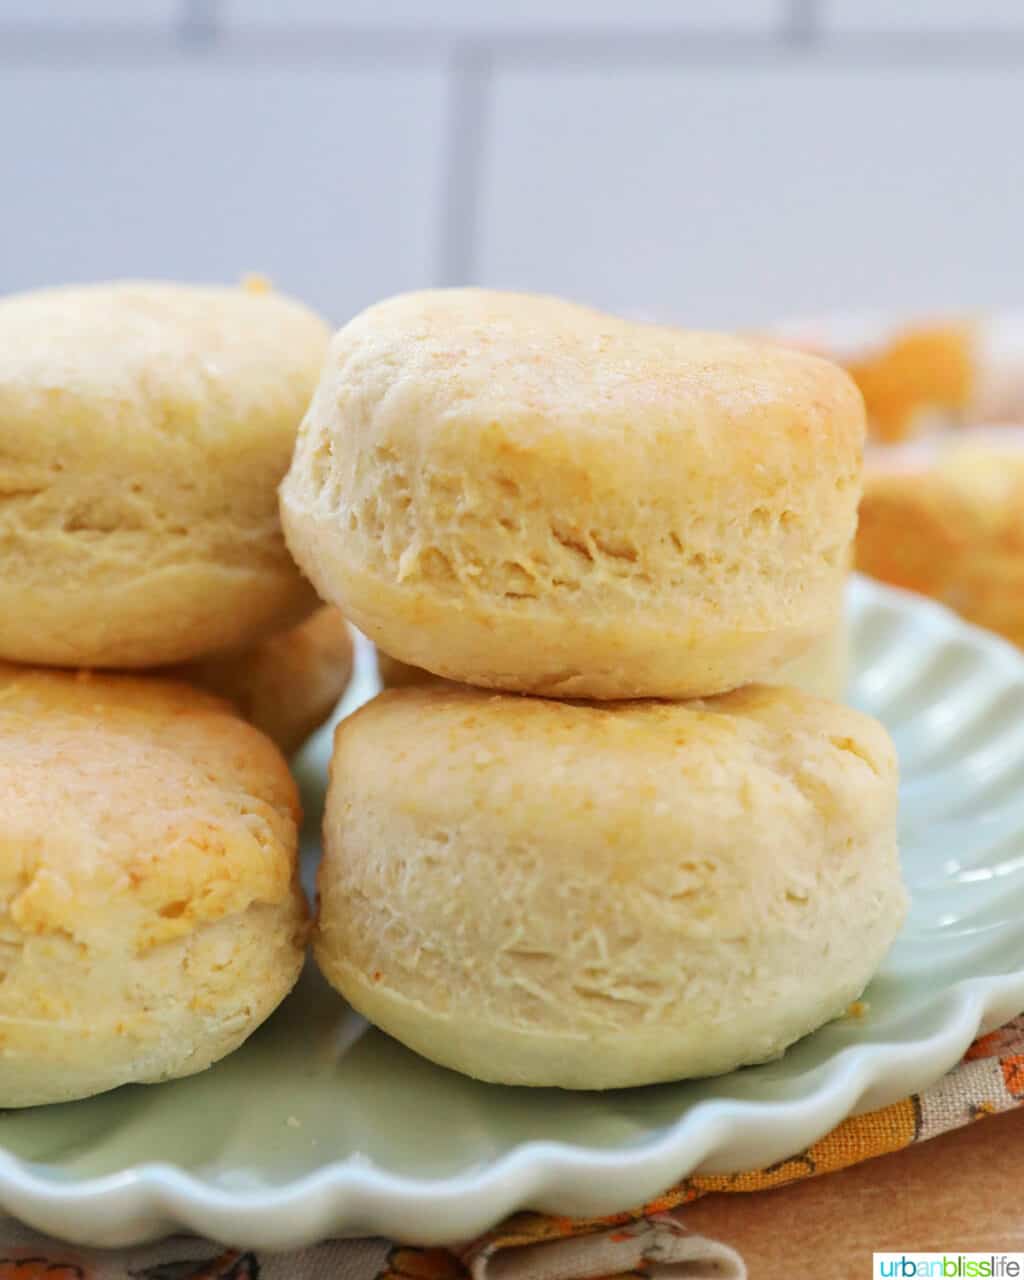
[600, 895]
[946, 518]
[145, 430]
[288, 685]
[151, 911]
[522, 493]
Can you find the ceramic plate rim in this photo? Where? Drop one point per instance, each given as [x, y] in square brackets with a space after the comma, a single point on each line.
[353, 1198]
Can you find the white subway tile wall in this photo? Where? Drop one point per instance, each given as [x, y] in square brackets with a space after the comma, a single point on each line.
[723, 195]
[326, 182]
[89, 13]
[920, 16]
[722, 163]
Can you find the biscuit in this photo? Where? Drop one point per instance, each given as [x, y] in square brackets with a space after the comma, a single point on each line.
[286, 686]
[946, 518]
[823, 669]
[151, 912]
[600, 895]
[922, 375]
[145, 430]
[522, 493]
[393, 674]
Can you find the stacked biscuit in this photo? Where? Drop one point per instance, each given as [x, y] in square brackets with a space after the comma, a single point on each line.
[596, 852]
[151, 912]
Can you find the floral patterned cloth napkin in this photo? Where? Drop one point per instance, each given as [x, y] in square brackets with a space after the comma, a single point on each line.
[650, 1240]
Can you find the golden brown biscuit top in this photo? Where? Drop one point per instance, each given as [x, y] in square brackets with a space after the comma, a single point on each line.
[536, 757]
[135, 808]
[543, 372]
[184, 361]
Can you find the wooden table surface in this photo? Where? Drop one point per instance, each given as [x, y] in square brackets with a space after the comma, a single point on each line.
[963, 1191]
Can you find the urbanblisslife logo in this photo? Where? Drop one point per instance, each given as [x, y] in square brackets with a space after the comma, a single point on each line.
[949, 1266]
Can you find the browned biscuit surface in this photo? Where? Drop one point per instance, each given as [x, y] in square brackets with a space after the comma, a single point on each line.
[150, 912]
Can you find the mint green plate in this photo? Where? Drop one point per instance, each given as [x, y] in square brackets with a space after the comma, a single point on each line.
[320, 1126]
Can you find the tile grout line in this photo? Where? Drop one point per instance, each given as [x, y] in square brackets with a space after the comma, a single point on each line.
[803, 26]
[199, 23]
[469, 82]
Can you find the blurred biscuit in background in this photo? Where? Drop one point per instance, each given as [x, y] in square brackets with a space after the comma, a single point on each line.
[394, 674]
[945, 518]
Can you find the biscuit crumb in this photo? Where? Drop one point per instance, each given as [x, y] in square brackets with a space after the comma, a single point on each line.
[858, 1009]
